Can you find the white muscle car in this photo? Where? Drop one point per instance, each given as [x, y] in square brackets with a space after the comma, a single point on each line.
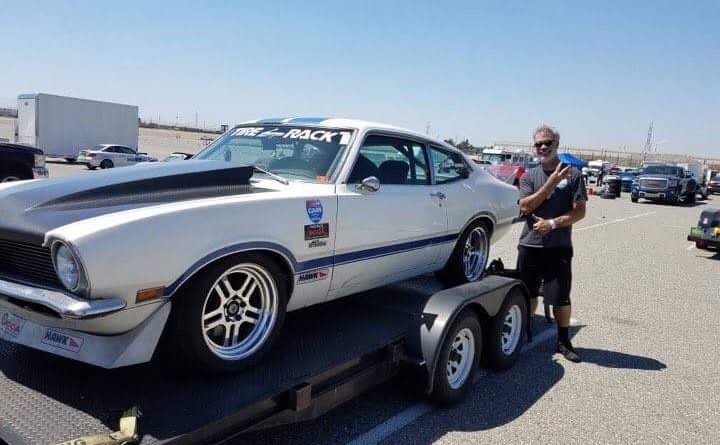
[274, 216]
[111, 155]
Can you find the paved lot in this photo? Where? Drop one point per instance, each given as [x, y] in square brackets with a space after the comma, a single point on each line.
[646, 305]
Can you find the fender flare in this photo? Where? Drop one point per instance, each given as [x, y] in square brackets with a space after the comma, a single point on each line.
[442, 309]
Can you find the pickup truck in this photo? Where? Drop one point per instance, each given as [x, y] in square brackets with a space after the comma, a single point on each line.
[664, 183]
[18, 162]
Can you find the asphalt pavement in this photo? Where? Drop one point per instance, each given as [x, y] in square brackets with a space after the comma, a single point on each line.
[646, 306]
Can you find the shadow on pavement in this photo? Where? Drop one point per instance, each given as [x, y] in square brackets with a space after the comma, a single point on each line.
[619, 360]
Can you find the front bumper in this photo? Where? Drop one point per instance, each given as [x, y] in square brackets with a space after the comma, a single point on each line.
[660, 195]
[64, 305]
[130, 348]
[714, 188]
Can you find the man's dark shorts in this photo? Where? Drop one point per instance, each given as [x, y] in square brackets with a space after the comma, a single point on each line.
[551, 266]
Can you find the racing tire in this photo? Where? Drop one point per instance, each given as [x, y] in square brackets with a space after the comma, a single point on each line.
[217, 332]
[470, 256]
[505, 333]
[458, 360]
[106, 163]
[634, 199]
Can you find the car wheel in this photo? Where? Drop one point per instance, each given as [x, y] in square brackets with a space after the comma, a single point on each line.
[458, 360]
[106, 163]
[91, 167]
[470, 256]
[634, 199]
[228, 318]
[505, 333]
[10, 179]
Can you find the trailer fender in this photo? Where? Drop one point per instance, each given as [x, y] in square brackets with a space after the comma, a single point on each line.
[443, 307]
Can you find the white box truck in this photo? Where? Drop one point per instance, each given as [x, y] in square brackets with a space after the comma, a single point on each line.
[62, 126]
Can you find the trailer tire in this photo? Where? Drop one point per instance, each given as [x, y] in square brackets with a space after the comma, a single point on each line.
[463, 344]
[200, 305]
[505, 332]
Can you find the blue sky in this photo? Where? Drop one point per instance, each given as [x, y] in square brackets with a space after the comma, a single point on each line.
[489, 71]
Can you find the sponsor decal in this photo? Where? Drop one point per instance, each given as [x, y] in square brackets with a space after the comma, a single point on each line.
[12, 324]
[300, 133]
[314, 210]
[317, 243]
[317, 231]
[316, 275]
[64, 341]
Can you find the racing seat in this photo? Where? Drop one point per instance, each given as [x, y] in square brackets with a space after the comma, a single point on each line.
[364, 167]
[393, 172]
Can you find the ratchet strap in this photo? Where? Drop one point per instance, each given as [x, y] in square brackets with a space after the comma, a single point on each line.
[127, 435]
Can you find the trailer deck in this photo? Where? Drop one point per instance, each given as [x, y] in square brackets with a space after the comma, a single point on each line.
[326, 355]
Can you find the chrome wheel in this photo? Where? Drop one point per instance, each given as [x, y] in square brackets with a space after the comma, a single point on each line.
[511, 330]
[461, 358]
[475, 253]
[240, 311]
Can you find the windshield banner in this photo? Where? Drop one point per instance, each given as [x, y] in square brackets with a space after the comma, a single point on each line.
[297, 133]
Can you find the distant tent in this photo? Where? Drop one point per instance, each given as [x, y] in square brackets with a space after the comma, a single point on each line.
[572, 160]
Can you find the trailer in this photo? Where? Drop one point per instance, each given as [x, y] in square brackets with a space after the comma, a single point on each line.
[62, 126]
[327, 355]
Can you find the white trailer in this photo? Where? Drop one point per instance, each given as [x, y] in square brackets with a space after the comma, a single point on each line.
[62, 126]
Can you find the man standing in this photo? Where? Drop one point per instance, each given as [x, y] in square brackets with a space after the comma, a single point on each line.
[552, 198]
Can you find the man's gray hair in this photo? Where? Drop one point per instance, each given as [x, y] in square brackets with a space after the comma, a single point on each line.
[547, 129]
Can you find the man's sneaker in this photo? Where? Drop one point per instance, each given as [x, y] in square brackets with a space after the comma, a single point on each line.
[568, 352]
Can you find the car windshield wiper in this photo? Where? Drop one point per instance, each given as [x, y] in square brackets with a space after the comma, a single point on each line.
[278, 178]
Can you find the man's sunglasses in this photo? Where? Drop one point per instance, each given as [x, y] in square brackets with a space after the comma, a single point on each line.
[539, 144]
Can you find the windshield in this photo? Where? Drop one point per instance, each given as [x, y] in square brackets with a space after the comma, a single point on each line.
[662, 170]
[308, 154]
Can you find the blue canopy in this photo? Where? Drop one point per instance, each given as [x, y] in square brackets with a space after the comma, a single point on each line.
[572, 160]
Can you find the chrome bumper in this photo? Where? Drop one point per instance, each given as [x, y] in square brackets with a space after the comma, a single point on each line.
[66, 306]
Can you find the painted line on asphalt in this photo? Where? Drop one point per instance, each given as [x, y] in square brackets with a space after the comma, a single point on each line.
[614, 221]
[411, 414]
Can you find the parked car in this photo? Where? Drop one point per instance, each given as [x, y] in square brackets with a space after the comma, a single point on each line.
[706, 234]
[665, 183]
[714, 182]
[626, 179]
[177, 156]
[273, 216]
[111, 155]
[19, 162]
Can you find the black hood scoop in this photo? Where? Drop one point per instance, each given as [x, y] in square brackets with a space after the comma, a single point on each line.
[29, 211]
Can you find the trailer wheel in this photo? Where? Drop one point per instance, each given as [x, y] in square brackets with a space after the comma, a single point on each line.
[458, 360]
[228, 318]
[106, 163]
[505, 332]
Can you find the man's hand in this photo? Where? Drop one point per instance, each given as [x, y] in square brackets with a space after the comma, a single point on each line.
[542, 226]
[559, 174]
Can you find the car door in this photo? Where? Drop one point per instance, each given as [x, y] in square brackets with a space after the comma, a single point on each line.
[393, 232]
[450, 185]
[129, 155]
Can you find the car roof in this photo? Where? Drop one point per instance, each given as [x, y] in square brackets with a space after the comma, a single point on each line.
[357, 124]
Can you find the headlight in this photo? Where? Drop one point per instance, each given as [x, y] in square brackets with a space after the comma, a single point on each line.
[672, 183]
[68, 268]
[39, 160]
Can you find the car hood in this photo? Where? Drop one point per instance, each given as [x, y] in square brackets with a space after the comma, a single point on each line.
[31, 209]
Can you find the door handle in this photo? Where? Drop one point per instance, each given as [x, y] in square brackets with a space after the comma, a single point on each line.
[438, 195]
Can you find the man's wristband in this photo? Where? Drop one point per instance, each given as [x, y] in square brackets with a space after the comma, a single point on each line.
[553, 224]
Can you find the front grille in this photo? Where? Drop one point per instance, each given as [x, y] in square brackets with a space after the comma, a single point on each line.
[28, 262]
[653, 184]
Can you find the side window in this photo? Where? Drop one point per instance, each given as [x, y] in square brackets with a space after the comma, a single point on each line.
[111, 150]
[392, 161]
[444, 165]
[126, 150]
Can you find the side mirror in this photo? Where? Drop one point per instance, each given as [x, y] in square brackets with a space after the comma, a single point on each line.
[369, 184]
[462, 170]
